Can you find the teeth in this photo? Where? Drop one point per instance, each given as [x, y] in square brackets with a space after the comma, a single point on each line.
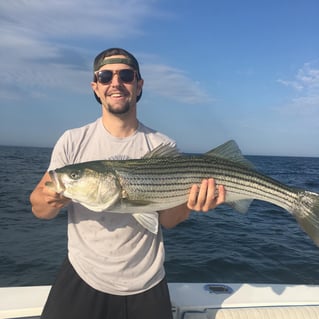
[116, 95]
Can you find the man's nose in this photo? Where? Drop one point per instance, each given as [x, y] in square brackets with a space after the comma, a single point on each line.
[116, 79]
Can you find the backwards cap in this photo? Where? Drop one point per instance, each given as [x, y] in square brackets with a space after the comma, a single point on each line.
[129, 59]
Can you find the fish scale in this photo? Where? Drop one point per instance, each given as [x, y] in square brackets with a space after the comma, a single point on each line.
[162, 175]
[162, 179]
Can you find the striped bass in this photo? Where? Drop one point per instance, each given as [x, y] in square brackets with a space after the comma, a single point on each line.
[163, 177]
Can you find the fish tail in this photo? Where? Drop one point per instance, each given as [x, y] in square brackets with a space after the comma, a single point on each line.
[307, 214]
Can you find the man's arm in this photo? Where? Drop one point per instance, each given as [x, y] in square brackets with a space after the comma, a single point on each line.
[46, 204]
[201, 199]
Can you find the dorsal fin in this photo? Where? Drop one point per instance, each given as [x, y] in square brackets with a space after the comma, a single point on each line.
[163, 150]
[231, 152]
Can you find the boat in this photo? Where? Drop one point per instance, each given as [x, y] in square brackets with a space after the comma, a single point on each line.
[195, 301]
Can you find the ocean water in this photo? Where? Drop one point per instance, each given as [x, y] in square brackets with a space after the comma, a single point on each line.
[266, 245]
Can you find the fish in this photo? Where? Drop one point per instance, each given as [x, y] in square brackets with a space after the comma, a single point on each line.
[162, 179]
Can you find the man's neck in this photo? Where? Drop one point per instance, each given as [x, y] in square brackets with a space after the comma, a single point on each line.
[120, 126]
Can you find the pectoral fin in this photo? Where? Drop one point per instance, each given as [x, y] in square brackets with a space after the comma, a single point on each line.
[241, 206]
[148, 221]
[238, 202]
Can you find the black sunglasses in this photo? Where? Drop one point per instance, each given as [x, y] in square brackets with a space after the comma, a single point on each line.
[106, 76]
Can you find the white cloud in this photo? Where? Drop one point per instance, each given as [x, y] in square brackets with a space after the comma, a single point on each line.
[40, 46]
[45, 46]
[306, 85]
[294, 84]
[43, 43]
[107, 18]
[309, 76]
[306, 79]
[170, 82]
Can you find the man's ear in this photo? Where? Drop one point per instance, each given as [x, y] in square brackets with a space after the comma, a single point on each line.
[94, 88]
[139, 86]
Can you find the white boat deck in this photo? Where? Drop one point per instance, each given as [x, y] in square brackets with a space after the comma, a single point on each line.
[195, 301]
[249, 301]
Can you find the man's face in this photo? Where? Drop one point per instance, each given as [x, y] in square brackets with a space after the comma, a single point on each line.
[117, 96]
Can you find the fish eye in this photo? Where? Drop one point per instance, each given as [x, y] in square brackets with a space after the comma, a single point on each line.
[75, 174]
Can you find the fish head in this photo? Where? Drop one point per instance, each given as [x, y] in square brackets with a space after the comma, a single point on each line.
[91, 184]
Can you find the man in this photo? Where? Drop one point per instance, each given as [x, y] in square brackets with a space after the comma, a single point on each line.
[114, 267]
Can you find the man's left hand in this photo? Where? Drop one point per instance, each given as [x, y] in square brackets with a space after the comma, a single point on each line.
[206, 197]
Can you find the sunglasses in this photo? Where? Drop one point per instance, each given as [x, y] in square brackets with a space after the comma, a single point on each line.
[106, 76]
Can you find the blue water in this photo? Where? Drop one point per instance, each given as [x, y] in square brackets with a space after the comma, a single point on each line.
[265, 245]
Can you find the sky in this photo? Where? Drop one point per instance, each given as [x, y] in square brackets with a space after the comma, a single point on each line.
[213, 70]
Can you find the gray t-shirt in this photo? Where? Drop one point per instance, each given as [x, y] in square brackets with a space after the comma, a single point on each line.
[111, 252]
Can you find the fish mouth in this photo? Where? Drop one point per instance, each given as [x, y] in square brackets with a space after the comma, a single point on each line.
[59, 187]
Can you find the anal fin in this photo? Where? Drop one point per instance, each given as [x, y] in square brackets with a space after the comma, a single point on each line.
[148, 221]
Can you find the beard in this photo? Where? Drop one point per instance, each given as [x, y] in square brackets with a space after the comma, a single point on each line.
[118, 110]
[118, 106]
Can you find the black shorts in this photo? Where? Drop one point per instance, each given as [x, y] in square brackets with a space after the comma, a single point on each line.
[71, 298]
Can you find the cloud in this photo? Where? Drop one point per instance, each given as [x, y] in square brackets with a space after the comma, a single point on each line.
[69, 18]
[306, 79]
[306, 87]
[294, 84]
[173, 83]
[44, 44]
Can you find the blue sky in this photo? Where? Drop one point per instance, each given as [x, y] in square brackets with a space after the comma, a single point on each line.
[214, 70]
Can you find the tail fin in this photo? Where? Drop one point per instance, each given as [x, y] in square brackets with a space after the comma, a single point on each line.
[307, 214]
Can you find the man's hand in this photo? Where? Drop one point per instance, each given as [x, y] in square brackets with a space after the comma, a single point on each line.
[200, 199]
[206, 197]
[46, 203]
[54, 199]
